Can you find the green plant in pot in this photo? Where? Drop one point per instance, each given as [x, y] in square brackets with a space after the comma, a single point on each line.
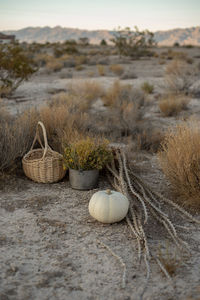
[84, 159]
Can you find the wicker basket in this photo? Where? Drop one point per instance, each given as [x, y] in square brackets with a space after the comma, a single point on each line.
[43, 164]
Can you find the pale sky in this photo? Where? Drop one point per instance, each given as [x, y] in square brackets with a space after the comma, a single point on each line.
[100, 14]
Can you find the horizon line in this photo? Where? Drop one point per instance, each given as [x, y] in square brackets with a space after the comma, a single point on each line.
[76, 28]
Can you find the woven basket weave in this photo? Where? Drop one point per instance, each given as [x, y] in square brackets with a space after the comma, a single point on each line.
[43, 164]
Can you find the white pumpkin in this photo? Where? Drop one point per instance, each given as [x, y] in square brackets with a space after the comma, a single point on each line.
[108, 206]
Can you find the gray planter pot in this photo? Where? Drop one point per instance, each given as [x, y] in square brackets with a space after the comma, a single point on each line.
[83, 180]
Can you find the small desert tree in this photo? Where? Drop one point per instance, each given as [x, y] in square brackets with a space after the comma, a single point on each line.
[133, 43]
[15, 67]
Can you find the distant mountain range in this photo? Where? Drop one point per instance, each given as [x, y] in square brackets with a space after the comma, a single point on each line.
[59, 34]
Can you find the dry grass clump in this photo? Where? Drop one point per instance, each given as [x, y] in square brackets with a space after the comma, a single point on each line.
[147, 87]
[5, 90]
[179, 76]
[125, 105]
[119, 93]
[179, 159]
[170, 258]
[173, 104]
[128, 74]
[79, 67]
[87, 89]
[149, 139]
[80, 59]
[61, 124]
[54, 65]
[64, 119]
[117, 69]
[101, 70]
[16, 135]
[171, 54]
[68, 61]
[41, 59]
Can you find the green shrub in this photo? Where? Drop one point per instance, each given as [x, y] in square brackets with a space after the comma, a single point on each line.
[15, 67]
[133, 43]
[103, 43]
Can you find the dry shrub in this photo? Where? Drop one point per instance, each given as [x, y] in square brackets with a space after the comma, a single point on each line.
[119, 93]
[149, 139]
[64, 120]
[4, 114]
[80, 59]
[93, 52]
[162, 61]
[128, 74]
[88, 90]
[16, 135]
[60, 124]
[173, 104]
[179, 159]
[147, 87]
[170, 54]
[68, 61]
[117, 69]
[54, 65]
[179, 76]
[90, 74]
[41, 59]
[5, 91]
[79, 68]
[125, 103]
[171, 258]
[101, 70]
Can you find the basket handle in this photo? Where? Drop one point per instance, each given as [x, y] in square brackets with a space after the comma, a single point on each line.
[37, 137]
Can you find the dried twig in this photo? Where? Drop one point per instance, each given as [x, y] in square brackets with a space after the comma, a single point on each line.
[143, 201]
[119, 259]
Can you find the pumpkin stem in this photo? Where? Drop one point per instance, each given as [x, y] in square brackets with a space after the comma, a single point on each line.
[108, 191]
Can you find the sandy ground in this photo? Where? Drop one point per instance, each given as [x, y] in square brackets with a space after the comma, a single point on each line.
[50, 248]
[49, 244]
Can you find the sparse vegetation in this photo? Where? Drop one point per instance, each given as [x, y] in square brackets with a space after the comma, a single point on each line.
[130, 119]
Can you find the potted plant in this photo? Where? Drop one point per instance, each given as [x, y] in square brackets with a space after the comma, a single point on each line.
[84, 159]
